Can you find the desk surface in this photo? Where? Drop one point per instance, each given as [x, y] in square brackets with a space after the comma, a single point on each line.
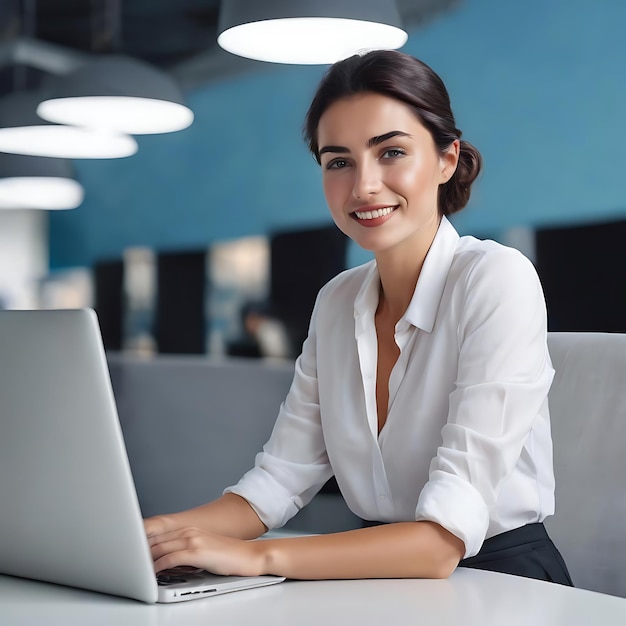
[468, 597]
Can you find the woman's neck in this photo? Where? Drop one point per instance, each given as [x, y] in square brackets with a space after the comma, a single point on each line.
[399, 270]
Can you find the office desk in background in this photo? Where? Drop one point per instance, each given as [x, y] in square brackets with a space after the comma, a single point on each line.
[467, 598]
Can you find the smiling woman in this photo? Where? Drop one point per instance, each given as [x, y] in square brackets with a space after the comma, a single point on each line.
[422, 385]
[380, 165]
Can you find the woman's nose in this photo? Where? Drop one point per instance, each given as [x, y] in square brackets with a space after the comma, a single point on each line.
[367, 182]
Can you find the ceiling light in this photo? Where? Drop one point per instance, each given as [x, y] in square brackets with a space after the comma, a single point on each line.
[65, 142]
[117, 94]
[22, 132]
[28, 192]
[28, 182]
[308, 32]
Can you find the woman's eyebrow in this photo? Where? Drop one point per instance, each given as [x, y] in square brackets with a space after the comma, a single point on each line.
[333, 149]
[373, 141]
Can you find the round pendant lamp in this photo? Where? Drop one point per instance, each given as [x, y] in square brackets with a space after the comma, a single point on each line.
[117, 94]
[308, 31]
[23, 132]
[29, 182]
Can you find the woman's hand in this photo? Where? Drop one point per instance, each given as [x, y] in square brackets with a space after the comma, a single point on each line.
[171, 547]
[160, 524]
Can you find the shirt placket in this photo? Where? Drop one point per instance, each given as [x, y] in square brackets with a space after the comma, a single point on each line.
[405, 337]
[367, 350]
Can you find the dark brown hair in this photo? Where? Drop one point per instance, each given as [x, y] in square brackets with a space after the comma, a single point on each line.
[404, 78]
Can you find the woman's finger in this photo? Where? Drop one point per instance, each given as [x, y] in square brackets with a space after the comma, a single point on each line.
[165, 547]
[181, 557]
[169, 535]
[158, 525]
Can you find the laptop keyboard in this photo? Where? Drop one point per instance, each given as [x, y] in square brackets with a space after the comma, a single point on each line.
[180, 574]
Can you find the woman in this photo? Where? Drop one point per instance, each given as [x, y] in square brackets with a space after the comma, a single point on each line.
[422, 385]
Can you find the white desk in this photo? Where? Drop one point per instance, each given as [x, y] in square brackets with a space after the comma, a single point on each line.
[468, 597]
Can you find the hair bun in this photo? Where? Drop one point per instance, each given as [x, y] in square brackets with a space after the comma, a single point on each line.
[455, 194]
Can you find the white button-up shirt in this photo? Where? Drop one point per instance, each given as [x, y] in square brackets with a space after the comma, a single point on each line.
[467, 439]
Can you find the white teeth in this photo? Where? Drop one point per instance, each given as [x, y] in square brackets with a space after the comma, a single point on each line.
[370, 215]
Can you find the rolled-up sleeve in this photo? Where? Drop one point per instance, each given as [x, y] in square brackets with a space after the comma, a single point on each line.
[293, 465]
[504, 374]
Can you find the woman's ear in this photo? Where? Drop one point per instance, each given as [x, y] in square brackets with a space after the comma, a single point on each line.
[449, 160]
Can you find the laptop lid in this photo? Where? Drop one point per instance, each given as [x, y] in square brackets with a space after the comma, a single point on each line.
[69, 512]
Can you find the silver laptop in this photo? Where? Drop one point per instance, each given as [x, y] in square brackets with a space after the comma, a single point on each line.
[69, 512]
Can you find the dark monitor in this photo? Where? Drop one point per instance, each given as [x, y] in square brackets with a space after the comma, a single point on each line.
[109, 301]
[301, 263]
[581, 271]
[180, 319]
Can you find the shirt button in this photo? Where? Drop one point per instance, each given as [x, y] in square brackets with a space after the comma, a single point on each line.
[382, 496]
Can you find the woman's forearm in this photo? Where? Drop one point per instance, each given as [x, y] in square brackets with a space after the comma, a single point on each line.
[230, 515]
[403, 550]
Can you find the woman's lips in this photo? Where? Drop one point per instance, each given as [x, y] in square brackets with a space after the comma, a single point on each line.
[373, 216]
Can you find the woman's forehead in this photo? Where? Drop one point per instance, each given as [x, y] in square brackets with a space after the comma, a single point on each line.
[366, 115]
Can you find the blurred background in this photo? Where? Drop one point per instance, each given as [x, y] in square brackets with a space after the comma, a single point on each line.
[215, 239]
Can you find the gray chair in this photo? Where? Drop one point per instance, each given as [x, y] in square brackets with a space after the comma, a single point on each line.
[193, 426]
[588, 412]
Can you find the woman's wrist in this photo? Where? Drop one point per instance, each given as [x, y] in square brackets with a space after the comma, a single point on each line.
[265, 557]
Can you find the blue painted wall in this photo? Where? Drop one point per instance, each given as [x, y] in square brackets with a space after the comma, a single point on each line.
[538, 86]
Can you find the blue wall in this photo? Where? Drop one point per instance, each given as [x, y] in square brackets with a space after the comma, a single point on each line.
[538, 86]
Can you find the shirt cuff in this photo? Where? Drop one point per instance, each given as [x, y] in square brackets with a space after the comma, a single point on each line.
[456, 505]
[277, 489]
[270, 501]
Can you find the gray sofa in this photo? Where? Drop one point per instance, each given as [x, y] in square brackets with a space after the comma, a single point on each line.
[193, 425]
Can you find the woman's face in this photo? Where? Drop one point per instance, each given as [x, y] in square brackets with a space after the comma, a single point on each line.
[381, 172]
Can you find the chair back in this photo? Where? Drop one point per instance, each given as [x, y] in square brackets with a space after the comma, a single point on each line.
[588, 413]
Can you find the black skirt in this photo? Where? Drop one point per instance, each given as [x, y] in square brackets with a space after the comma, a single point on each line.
[527, 551]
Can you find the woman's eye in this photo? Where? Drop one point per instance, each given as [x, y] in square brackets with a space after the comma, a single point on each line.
[393, 153]
[337, 164]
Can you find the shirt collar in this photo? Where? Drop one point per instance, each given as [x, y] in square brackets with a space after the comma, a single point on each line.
[422, 309]
[366, 300]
